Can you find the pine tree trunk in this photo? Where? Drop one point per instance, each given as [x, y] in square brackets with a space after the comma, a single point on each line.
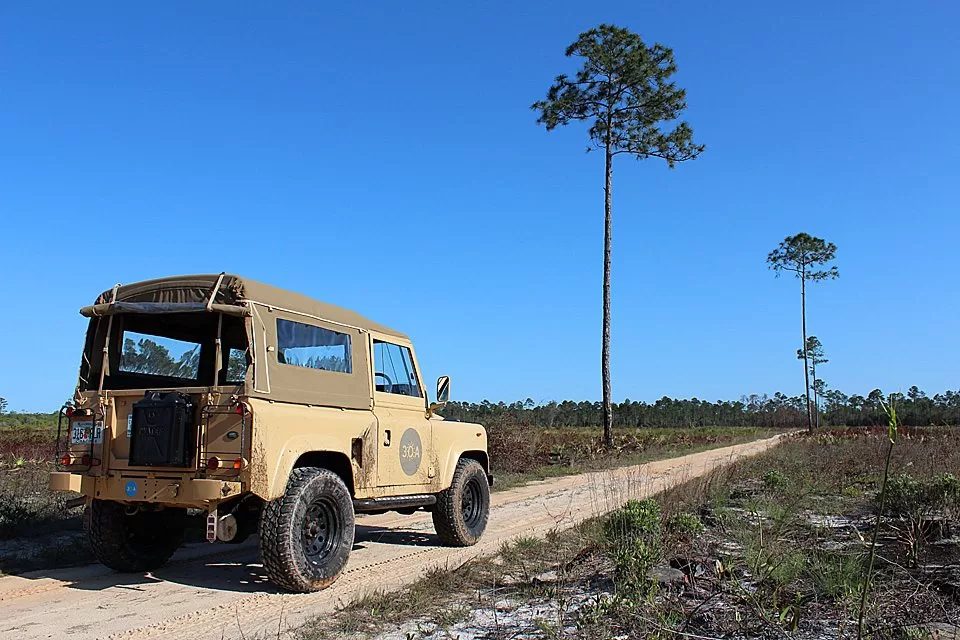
[806, 366]
[605, 349]
[816, 396]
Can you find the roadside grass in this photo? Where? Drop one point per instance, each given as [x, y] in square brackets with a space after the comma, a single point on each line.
[768, 546]
[445, 596]
[36, 528]
[26, 505]
[521, 454]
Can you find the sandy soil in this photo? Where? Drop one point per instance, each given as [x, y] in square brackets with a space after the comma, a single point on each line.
[220, 591]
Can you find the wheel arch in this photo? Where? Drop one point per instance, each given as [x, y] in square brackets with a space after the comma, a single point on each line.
[472, 454]
[334, 461]
[480, 456]
[270, 483]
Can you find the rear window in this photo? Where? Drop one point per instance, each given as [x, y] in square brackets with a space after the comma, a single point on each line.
[153, 355]
[305, 345]
[166, 350]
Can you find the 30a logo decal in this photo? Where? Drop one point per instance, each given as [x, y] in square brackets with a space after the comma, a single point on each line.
[411, 451]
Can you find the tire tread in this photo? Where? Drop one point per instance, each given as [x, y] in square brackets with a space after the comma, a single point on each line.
[276, 521]
[447, 513]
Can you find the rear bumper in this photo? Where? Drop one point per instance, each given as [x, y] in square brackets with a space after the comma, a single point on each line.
[189, 491]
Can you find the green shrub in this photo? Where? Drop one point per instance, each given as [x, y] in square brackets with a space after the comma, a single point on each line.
[776, 480]
[836, 575]
[633, 537]
[903, 494]
[907, 496]
[784, 566]
[945, 491]
[687, 525]
[636, 519]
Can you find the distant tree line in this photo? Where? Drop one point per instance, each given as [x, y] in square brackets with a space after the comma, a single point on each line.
[21, 420]
[914, 408]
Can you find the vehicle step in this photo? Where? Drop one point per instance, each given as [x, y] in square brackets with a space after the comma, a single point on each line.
[399, 502]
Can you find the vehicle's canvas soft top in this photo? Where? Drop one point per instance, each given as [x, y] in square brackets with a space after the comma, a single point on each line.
[233, 290]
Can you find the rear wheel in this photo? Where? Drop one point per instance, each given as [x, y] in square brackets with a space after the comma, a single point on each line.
[461, 513]
[137, 542]
[306, 535]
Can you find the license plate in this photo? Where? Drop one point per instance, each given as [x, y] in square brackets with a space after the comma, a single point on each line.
[80, 432]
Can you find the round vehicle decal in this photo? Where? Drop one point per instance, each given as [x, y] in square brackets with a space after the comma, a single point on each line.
[131, 488]
[410, 451]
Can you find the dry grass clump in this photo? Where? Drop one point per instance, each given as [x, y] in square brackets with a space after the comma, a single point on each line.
[27, 506]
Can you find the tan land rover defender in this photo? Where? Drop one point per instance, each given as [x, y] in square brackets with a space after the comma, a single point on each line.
[269, 412]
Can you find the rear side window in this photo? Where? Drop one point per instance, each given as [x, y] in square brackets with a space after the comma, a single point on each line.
[304, 345]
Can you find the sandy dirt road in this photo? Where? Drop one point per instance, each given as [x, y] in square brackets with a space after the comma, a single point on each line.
[220, 591]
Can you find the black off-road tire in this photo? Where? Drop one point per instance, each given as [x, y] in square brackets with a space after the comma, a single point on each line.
[461, 513]
[134, 543]
[306, 535]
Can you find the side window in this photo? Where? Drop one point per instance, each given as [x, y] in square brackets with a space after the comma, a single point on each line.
[304, 345]
[393, 370]
[236, 366]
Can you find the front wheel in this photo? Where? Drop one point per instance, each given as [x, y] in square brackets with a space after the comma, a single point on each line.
[132, 543]
[306, 535]
[461, 513]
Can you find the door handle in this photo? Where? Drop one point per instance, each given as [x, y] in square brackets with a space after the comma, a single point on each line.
[386, 437]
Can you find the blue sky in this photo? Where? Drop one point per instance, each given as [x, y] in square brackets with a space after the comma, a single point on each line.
[383, 157]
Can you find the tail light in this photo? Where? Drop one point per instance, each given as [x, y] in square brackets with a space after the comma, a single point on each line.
[239, 463]
[213, 463]
[85, 460]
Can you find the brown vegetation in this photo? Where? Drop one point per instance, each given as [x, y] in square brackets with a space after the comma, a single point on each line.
[520, 453]
[28, 509]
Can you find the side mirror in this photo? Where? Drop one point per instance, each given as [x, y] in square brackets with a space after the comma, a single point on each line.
[443, 395]
[443, 389]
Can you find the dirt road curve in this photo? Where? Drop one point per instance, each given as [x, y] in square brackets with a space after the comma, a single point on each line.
[215, 591]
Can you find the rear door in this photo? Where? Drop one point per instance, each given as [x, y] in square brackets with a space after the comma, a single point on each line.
[404, 432]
